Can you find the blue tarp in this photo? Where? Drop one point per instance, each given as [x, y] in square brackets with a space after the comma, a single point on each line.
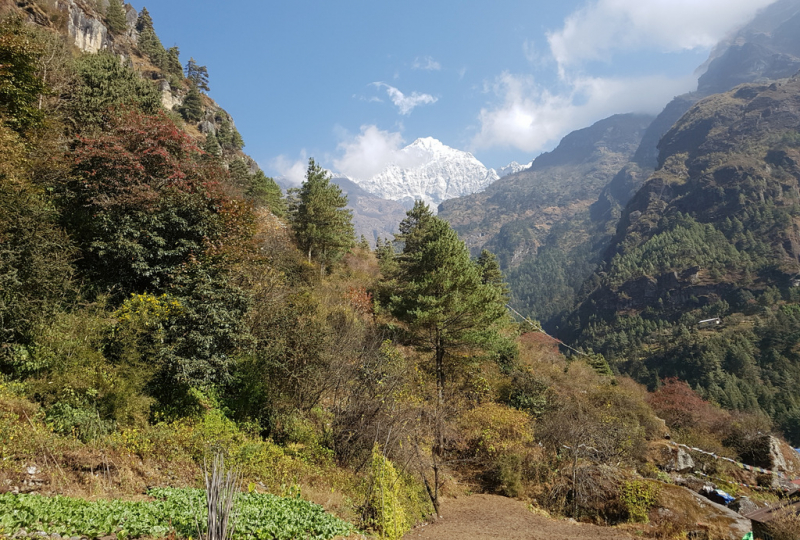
[724, 496]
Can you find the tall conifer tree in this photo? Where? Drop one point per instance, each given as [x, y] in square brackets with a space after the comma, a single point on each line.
[115, 15]
[197, 74]
[192, 107]
[322, 225]
[444, 296]
[265, 191]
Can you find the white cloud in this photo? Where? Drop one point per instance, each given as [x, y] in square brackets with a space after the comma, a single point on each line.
[368, 99]
[368, 153]
[531, 118]
[293, 171]
[531, 53]
[426, 63]
[404, 103]
[603, 26]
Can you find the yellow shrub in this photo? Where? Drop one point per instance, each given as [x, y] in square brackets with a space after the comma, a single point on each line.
[386, 498]
[493, 429]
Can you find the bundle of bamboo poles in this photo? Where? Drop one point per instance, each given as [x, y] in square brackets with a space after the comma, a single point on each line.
[221, 488]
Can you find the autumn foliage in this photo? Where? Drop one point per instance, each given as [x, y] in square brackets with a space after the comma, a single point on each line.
[142, 203]
[682, 407]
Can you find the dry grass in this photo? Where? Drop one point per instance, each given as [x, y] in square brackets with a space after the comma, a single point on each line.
[786, 526]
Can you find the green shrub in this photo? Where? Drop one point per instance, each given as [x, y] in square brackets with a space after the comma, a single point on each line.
[389, 515]
[83, 423]
[510, 474]
[639, 496]
[395, 502]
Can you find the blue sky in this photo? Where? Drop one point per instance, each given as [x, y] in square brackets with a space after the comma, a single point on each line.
[349, 82]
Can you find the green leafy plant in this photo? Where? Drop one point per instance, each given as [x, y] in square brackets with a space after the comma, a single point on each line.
[639, 496]
[260, 516]
[386, 498]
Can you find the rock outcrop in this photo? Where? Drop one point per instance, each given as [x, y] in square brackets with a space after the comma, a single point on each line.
[85, 26]
[783, 458]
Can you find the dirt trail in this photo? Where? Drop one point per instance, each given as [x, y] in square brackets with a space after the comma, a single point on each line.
[481, 517]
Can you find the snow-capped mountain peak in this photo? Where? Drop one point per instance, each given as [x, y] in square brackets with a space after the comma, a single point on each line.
[513, 168]
[428, 143]
[431, 171]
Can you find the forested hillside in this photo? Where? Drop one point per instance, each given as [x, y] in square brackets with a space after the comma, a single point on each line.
[164, 304]
[549, 245]
[538, 221]
[161, 300]
[712, 234]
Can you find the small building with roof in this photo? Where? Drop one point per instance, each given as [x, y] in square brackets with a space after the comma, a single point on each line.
[764, 519]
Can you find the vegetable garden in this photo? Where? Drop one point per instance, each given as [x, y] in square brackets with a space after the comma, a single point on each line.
[179, 511]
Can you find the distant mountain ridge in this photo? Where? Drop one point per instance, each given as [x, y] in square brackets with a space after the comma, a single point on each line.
[538, 221]
[513, 168]
[556, 185]
[547, 243]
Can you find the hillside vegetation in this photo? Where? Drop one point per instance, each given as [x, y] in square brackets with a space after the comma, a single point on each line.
[713, 233]
[540, 222]
[162, 302]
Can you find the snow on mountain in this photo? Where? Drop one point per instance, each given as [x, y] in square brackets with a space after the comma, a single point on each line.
[431, 171]
[513, 168]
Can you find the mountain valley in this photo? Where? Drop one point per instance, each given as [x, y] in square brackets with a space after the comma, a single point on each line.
[602, 342]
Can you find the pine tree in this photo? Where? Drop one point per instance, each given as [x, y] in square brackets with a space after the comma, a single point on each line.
[148, 41]
[490, 271]
[239, 174]
[172, 62]
[322, 225]
[192, 108]
[236, 139]
[106, 82]
[265, 191]
[211, 147]
[115, 16]
[387, 261]
[598, 363]
[228, 136]
[440, 292]
[197, 74]
[225, 134]
[413, 226]
[144, 20]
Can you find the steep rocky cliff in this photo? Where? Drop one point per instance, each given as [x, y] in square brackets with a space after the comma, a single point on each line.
[85, 26]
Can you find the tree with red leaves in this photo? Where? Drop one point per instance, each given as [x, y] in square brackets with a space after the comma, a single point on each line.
[141, 202]
[682, 407]
[150, 216]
